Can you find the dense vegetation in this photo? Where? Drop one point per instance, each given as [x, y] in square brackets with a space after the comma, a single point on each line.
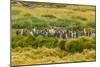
[42, 50]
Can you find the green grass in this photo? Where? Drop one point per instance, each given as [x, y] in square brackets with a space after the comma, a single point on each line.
[77, 45]
[71, 45]
[59, 17]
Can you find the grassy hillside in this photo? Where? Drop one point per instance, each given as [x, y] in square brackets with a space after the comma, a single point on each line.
[43, 50]
[38, 15]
